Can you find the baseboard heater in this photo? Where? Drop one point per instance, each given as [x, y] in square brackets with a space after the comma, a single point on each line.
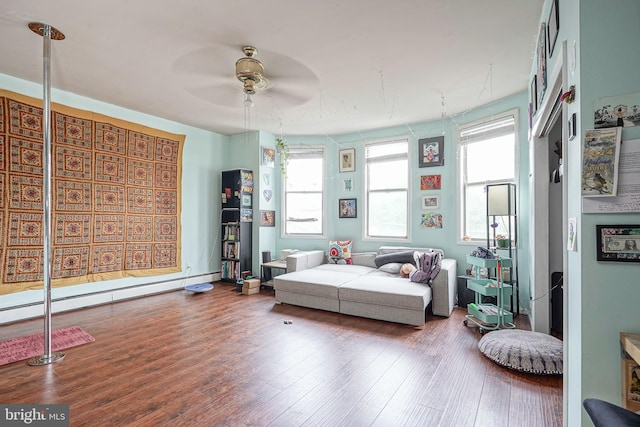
[58, 305]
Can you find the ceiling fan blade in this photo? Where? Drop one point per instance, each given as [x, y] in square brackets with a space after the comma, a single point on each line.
[224, 95]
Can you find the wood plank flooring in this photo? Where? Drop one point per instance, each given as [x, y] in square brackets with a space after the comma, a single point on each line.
[226, 359]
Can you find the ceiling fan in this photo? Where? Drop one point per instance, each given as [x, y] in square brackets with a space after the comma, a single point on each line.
[285, 81]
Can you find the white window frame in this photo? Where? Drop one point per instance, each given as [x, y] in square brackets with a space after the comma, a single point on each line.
[365, 224]
[462, 179]
[293, 151]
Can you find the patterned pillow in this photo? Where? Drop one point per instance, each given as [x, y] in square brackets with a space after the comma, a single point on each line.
[340, 249]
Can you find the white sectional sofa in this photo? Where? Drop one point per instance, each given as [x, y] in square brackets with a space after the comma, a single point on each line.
[362, 289]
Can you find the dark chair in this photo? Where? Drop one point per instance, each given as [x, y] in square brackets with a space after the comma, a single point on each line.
[266, 271]
[605, 414]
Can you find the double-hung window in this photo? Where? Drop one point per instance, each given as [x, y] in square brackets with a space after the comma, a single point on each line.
[304, 192]
[387, 189]
[487, 156]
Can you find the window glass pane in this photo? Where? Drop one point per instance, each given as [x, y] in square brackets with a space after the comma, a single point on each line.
[304, 174]
[476, 211]
[388, 175]
[385, 149]
[387, 213]
[304, 213]
[491, 160]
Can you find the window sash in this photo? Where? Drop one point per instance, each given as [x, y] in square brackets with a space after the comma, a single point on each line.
[377, 155]
[300, 194]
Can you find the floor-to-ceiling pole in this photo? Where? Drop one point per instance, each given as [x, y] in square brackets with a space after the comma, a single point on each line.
[47, 32]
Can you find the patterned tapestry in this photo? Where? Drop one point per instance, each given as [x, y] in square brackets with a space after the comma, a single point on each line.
[115, 197]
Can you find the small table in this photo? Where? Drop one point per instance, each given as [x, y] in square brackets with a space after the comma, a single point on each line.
[277, 264]
[630, 344]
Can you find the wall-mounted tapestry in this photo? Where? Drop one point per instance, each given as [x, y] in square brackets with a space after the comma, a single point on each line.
[115, 197]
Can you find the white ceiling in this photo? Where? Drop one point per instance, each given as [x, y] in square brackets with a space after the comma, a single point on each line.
[336, 66]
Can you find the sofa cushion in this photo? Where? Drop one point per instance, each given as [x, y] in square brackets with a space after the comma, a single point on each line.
[395, 257]
[359, 270]
[391, 267]
[314, 281]
[340, 249]
[387, 291]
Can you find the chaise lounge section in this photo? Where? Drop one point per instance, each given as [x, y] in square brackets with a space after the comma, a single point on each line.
[362, 289]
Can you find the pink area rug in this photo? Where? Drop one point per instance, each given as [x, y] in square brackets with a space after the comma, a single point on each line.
[24, 348]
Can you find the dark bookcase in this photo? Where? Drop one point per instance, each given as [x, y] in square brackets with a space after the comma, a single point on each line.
[237, 218]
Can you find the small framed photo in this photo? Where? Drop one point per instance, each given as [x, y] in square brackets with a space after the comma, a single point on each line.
[431, 151]
[430, 182]
[618, 243]
[268, 157]
[246, 200]
[347, 185]
[534, 95]
[267, 218]
[348, 160]
[553, 26]
[347, 208]
[430, 202]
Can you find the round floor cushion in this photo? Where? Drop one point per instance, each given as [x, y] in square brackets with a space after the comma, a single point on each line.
[524, 351]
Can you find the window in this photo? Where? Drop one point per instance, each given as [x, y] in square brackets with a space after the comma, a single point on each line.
[487, 156]
[387, 192]
[304, 192]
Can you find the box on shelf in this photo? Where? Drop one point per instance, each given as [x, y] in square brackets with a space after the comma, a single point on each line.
[250, 291]
[251, 283]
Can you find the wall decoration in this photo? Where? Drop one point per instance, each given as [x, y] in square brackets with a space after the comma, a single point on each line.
[246, 215]
[115, 197]
[572, 234]
[542, 64]
[267, 194]
[430, 202]
[617, 111]
[430, 182]
[618, 243]
[627, 198]
[431, 220]
[347, 208]
[348, 185]
[246, 200]
[431, 151]
[268, 157]
[348, 160]
[266, 178]
[534, 95]
[600, 157]
[553, 25]
[267, 218]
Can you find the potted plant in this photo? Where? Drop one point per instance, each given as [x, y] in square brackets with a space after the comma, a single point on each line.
[502, 241]
[283, 149]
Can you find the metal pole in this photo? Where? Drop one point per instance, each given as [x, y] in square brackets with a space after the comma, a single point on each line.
[47, 32]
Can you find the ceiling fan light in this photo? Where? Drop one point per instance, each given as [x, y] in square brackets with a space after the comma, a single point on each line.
[248, 102]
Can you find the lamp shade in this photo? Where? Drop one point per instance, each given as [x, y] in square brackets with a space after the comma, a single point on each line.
[501, 199]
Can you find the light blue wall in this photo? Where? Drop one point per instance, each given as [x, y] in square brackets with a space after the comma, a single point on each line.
[602, 297]
[202, 162]
[445, 238]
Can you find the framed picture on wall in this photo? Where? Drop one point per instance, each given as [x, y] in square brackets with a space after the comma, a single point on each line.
[534, 95]
[347, 208]
[553, 26]
[430, 202]
[542, 63]
[618, 243]
[431, 151]
[267, 218]
[348, 160]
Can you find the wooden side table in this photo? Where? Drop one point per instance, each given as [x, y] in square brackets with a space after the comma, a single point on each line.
[277, 264]
[630, 344]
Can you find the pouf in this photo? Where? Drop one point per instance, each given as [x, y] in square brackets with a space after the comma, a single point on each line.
[199, 288]
[524, 351]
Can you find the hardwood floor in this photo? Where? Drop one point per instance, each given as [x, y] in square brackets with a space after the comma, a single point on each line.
[221, 358]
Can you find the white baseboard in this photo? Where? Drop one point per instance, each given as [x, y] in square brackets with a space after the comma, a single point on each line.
[35, 310]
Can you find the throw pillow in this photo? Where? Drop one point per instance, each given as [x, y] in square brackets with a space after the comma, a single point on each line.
[399, 257]
[340, 249]
[391, 267]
